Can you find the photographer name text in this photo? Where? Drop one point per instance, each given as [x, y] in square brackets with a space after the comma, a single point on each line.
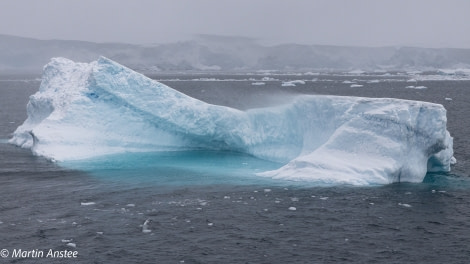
[37, 253]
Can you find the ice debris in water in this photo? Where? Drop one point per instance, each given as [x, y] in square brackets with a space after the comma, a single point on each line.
[87, 203]
[84, 110]
[145, 226]
[297, 82]
[292, 83]
[265, 79]
[416, 87]
[287, 84]
[356, 85]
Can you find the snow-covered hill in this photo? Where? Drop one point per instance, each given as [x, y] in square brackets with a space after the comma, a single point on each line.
[217, 53]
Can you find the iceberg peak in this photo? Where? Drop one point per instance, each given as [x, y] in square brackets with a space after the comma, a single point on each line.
[84, 110]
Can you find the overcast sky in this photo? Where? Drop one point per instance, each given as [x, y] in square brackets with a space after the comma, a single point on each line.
[425, 23]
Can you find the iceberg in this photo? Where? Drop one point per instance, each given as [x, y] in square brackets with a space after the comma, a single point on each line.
[356, 85]
[86, 110]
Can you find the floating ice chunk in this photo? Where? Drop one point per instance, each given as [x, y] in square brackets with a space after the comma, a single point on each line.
[87, 203]
[412, 80]
[453, 160]
[205, 79]
[292, 208]
[145, 226]
[297, 82]
[416, 87]
[448, 99]
[356, 85]
[292, 83]
[357, 72]
[461, 71]
[287, 84]
[258, 83]
[404, 205]
[72, 245]
[87, 110]
[414, 72]
[312, 73]
[265, 79]
[348, 82]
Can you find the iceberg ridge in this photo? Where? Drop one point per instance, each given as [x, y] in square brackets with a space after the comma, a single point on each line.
[84, 110]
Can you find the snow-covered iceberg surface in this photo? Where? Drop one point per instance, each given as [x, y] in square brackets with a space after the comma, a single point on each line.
[86, 110]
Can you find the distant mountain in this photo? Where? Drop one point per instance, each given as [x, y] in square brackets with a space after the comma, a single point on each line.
[217, 53]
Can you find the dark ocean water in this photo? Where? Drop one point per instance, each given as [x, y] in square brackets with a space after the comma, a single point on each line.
[205, 212]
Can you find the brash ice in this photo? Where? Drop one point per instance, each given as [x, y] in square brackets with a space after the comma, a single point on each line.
[85, 110]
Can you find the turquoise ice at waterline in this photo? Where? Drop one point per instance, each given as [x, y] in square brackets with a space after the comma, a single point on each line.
[102, 111]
